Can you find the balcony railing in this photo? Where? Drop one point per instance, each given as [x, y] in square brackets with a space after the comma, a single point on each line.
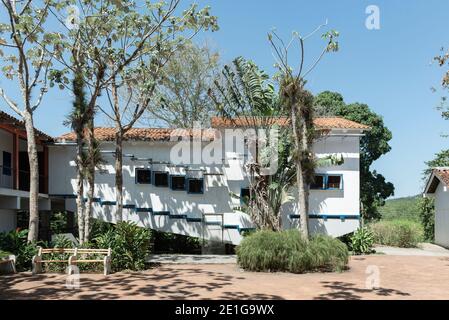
[7, 180]
[6, 177]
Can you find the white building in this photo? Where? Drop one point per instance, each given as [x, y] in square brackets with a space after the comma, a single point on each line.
[196, 198]
[438, 187]
[14, 170]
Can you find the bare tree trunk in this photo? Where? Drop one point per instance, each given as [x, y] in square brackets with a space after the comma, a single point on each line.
[88, 214]
[33, 228]
[119, 175]
[90, 176]
[300, 179]
[80, 187]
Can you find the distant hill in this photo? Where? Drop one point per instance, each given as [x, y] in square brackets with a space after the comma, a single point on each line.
[401, 208]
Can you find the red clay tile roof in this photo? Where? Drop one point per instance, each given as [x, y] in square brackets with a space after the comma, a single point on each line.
[20, 124]
[143, 134]
[320, 123]
[442, 174]
[163, 134]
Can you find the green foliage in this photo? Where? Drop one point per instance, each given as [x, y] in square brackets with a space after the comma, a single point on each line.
[374, 188]
[426, 210]
[244, 90]
[181, 98]
[16, 243]
[397, 233]
[58, 222]
[129, 244]
[4, 254]
[59, 241]
[441, 159]
[174, 243]
[362, 241]
[288, 251]
[405, 208]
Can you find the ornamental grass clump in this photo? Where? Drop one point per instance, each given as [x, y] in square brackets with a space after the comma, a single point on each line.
[397, 233]
[288, 251]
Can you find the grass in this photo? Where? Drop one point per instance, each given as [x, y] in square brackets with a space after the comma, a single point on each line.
[397, 233]
[288, 251]
[401, 209]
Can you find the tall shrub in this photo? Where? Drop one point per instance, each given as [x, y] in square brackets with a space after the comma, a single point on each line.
[289, 251]
[129, 244]
[426, 209]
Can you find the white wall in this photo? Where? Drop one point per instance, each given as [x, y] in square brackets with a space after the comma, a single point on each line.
[7, 220]
[6, 144]
[442, 215]
[217, 188]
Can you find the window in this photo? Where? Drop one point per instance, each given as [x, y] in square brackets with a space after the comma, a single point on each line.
[333, 182]
[177, 182]
[245, 195]
[143, 176]
[318, 182]
[195, 185]
[6, 170]
[160, 178]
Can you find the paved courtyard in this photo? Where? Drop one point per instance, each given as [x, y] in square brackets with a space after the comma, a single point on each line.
[400, 277]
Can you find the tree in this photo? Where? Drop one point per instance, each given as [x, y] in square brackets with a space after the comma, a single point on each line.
[298, 102]
[140, 77]
[441, 159]
[374, 189]
[77, 120]
[27, 49]
[245, 92]
[443, 61]
[109, 38]
[185, 80]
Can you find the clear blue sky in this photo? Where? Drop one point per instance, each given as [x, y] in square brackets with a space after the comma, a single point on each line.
[389, 69]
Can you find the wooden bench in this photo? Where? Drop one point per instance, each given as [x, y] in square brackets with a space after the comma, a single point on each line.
[42, 257]
[76, 255]
[85, 256]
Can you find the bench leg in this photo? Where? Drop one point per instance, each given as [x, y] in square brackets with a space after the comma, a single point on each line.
[72, 263]
[107, 266]
[37, 265]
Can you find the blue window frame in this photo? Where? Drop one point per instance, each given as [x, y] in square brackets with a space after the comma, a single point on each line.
[195, 185]
[160, 178]
[245, 195]
[327, 182]
[177, 182]
[334, 181]
[142, 176]
[319, 182]
[7, 161]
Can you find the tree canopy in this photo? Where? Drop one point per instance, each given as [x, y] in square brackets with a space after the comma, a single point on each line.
[374, 189]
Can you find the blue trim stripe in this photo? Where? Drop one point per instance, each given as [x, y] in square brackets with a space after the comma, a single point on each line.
[108, 203]
[342, 217]
[177, 216]
[129, 206]
[213, 223]
[150, 210]
[161, 213]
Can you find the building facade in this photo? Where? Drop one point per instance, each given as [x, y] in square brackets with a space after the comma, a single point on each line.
[170, 189]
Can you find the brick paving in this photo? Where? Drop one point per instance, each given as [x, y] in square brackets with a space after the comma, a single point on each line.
[401, 277]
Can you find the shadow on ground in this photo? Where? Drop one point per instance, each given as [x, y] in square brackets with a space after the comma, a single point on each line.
[159, 283]
[348, 291]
